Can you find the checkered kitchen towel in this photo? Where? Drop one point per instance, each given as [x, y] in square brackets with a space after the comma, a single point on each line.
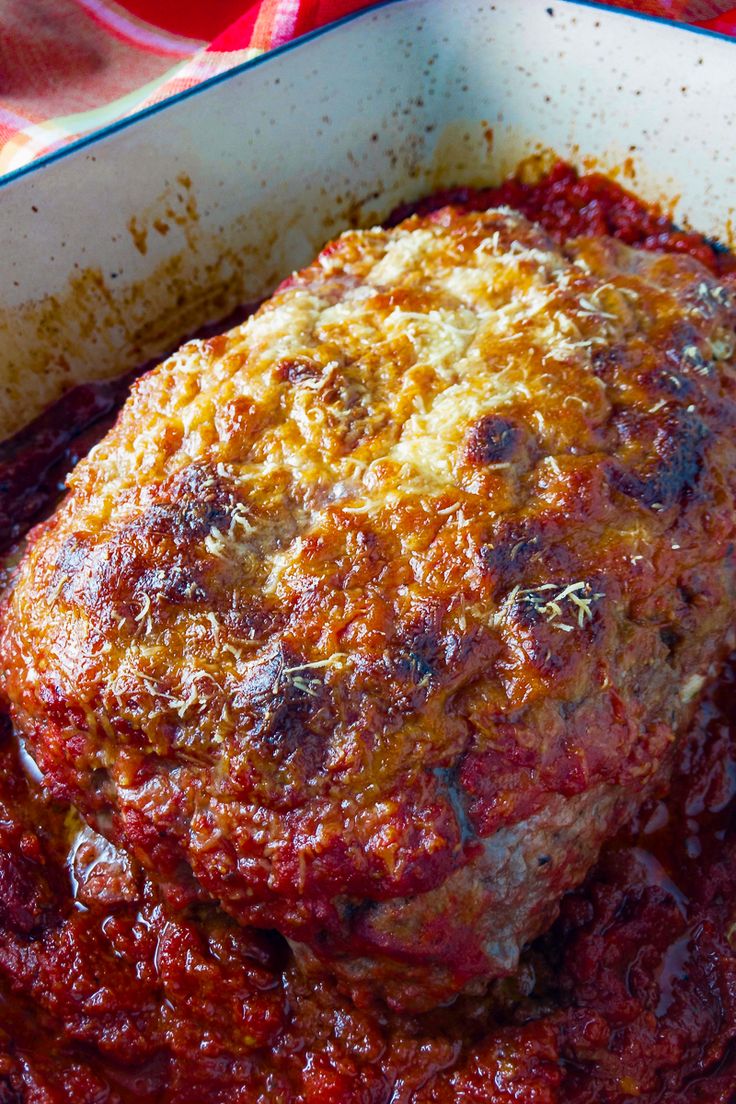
[68, 67]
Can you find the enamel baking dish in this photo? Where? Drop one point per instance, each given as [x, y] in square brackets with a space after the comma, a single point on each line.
[119, 246]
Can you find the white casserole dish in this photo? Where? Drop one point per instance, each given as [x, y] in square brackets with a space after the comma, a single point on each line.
[123, 243]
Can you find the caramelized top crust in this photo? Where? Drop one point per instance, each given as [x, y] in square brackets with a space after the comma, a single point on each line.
[441, 530]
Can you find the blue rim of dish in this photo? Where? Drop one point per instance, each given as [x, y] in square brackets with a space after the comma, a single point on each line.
[97, 136]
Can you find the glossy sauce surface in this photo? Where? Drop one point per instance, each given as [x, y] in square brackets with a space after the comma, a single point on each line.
[108, 994]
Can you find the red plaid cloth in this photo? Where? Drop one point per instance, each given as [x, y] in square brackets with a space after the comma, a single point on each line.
[68, 67]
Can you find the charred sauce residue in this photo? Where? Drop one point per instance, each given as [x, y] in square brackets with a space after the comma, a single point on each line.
[107, 994]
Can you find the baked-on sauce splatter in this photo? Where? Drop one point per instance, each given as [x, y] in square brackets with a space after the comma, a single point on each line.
[106, 994]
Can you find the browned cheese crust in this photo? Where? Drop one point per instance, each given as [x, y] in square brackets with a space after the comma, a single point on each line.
[372, 618]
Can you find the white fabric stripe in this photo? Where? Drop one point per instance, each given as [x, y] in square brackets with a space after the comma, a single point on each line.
[137, 33]
[18, 122]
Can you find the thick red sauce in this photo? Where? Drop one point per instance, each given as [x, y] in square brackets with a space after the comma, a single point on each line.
[107, 995]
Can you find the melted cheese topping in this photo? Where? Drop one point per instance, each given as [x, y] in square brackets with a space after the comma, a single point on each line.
[431, 330]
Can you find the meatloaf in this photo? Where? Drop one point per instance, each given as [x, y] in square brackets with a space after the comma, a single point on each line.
[373, 618]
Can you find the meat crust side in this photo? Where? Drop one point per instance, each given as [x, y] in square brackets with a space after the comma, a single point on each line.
[374, 617]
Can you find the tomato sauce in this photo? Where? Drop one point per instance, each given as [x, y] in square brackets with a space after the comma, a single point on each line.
[109, 995]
